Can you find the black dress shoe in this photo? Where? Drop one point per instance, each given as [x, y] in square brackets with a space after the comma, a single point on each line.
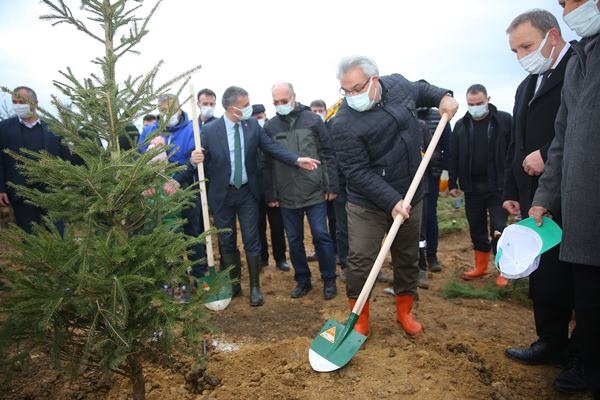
[236, 290]
[312, 257]
[571, 379]
[329, 290]
[282, 266]
[300, 290]
[264, 263]
[538, 353]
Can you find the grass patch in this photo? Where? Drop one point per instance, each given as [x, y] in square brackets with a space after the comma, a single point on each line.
[450, 218]
[517, 291]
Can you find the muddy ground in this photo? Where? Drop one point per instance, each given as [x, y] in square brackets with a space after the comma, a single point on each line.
[261, 353]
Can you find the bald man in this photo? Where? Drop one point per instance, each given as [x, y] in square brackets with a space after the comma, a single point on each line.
[301, 192]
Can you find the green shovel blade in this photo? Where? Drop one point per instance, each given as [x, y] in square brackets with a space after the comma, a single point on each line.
[335, 345]
[216, 290]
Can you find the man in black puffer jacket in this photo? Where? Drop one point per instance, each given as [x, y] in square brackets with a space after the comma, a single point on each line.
[377, 146]
[478, 148]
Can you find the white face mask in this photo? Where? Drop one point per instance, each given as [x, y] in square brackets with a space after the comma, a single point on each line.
[361, 102]
[174, 120]
[23, 111]
[478, 112]
[284, 109]
[261, 122]
[207, 111]
[535, 62]
[585, 19]
[246, 112]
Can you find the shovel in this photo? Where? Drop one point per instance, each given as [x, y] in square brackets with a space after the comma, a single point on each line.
[336, 343]
[219, 299]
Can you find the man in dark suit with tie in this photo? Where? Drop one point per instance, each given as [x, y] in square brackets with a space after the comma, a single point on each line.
[24, 131]
[230, 155]
[536, 39]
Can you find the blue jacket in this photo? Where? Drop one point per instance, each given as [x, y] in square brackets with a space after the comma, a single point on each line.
[217, 165]
[11, 138]
[181, 136]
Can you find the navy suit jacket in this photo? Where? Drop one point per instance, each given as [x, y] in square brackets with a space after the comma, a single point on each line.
[217, 164]
[11, 138]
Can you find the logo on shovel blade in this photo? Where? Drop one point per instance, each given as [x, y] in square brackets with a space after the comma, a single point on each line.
[329, 334]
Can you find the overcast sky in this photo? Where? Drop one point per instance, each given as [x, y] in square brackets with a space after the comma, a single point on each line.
[254, 44]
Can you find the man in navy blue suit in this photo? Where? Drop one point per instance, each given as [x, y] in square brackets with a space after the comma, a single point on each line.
[230, 155]
[24, 131]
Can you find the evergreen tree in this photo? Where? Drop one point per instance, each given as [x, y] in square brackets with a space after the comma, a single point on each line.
[92, 297]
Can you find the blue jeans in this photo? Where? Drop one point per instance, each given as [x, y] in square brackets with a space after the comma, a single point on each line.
[194, 226]
[293, 222]
[341, 227]
[241, 203]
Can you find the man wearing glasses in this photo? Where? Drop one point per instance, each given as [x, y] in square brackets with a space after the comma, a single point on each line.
[377, 148]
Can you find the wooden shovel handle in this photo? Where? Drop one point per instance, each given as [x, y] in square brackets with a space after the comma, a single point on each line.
[391, 235]
[210, 258]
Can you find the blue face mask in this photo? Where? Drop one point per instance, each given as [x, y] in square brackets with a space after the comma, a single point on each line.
[585, 19]
[361, 102]
[284, 109]
[246, 112]
[478, 112]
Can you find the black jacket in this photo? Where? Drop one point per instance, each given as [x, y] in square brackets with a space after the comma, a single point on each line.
[461, 155]
[533, 118]
[379, 150]
[11, 138]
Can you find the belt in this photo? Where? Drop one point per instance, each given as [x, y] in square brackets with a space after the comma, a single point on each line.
[233, 186]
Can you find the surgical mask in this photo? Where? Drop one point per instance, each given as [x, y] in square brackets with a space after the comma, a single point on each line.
[284, 109]
[174, 120]
[23, 111]
[585, 19]
[478, 112]
[535, 62]
[207, 111]
[246, 112]
[361, 102]
[261, 122]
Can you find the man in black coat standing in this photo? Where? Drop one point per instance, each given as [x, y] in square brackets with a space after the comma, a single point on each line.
[477, 155]
[570, 185]
[24, 131]
[536, 104]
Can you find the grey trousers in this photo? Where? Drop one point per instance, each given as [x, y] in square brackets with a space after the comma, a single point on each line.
[366, 231]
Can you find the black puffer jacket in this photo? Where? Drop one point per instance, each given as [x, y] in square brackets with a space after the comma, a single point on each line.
[461, 154]
[379, 150]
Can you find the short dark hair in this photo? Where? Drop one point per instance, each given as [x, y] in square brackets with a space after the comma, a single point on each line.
[149, 117]
[477, 88]
[318, 103]
[231, 95]
[207, 92]
[540, 19]
[30, 92]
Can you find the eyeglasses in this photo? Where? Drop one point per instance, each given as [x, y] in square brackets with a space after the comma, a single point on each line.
[348, 93]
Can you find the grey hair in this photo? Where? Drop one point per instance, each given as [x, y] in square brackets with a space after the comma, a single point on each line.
[231, 96]
[171, 98]
[30, 92]
[540, 19]
[366, 64]
[289, 86]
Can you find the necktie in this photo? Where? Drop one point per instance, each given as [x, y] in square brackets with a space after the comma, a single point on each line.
[237, 148]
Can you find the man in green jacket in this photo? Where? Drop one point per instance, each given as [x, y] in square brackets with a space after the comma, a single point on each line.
[300, 193]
